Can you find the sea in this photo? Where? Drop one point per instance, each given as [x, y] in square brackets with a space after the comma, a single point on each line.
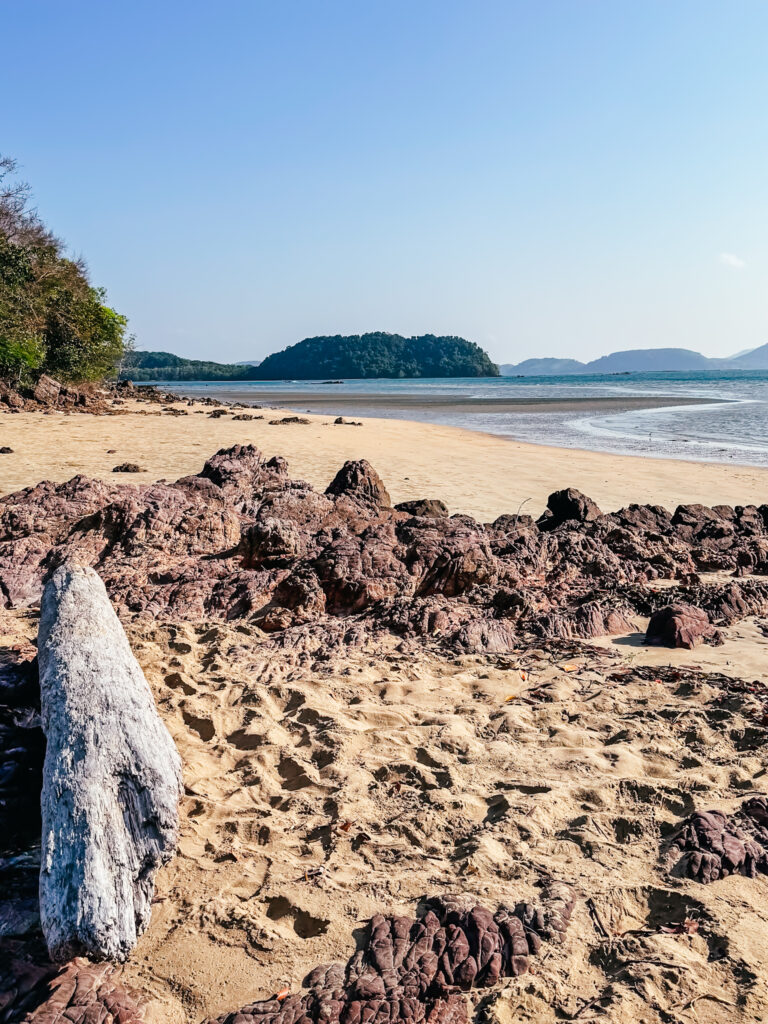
[728, 421]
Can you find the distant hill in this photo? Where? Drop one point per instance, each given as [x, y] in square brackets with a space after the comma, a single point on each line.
[141, 366]
[639, 360]
[378, 355]
[649, 360]
[543, 367]
[757, 359]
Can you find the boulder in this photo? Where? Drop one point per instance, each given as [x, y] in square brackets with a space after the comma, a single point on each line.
[567, 506]
[679, 625]
[111, 777]
[47, 391]
[414, 971]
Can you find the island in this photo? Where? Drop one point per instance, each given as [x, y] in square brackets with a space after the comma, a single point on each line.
[378, 355]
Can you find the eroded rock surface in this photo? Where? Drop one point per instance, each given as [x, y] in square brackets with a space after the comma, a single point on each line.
[711, 845]
[80, 993]
[243, 540]
[416, 970]
[680, 625]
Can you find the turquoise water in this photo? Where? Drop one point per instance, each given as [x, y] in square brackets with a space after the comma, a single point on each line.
[729, 423]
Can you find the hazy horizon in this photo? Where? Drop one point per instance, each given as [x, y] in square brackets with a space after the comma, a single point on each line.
[546, 180]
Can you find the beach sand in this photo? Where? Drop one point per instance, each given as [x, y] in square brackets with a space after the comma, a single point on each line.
[403, 772]
[474, 473]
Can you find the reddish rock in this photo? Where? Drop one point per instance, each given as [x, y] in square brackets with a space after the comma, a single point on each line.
[243, 539]
[47, 391]
[360, 480]
[414, 971]
[679, 625]
[79, 993]
[432, 508]
[712, 845]
[568, 506]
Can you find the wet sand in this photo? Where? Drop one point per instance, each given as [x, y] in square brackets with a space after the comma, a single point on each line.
[379, 404]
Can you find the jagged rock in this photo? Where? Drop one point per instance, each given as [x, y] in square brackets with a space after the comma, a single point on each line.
[679, 625]
[289, 419]
[220, 543]
[566, 506]
[110, 795]
[414, 971]
[80, 993]
[128, 467]
[712, 845]
[432, 508]
[360, 480]
[5, 450]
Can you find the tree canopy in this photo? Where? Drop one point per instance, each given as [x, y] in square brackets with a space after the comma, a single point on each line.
[52, 319]
[144, 366]
[378, 355]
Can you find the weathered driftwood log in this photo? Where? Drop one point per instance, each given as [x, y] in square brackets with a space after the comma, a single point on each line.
[112, 776]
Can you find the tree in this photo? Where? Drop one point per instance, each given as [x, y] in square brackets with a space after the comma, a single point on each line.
[52, 319]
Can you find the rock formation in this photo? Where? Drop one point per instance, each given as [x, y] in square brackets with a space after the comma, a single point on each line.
[680, 625]
[712, 845]
[242, 540]
[111, 777]
[80, 993]
[411, 970]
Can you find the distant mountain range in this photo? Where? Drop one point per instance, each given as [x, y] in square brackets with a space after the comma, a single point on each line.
[638, 360]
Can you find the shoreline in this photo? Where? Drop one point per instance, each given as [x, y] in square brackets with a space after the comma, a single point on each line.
[323, 403]
[477, 473]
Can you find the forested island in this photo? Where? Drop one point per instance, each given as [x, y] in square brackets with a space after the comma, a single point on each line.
[377, 355]
[352, 356]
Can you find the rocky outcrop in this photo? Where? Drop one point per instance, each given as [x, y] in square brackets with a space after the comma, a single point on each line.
[680, 625]
[111, 778]
[712, 845]
[414, 971]
[80, 993]
[243, 540]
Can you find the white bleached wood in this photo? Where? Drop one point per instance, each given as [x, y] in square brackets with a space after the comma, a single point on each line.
[112, 776]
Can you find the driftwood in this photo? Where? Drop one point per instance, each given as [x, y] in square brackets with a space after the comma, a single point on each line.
[112, 776]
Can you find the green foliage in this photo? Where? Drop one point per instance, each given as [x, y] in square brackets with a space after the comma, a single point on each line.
[144, 366]
[52, 320]
[378, 355]
[19, 355]
[366, 355]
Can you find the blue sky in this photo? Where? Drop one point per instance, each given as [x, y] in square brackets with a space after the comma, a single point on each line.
[550, 177]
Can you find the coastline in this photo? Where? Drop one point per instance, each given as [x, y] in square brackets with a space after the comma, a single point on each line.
[477, 473]
[343, 401]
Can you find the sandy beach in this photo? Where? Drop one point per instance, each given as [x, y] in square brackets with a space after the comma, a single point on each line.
[478, 474]
[328, 781]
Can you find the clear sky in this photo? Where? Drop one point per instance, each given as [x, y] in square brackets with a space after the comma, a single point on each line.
[548, 177]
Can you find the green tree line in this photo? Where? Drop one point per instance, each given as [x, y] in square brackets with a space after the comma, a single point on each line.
[52, 319]
[378, 355]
